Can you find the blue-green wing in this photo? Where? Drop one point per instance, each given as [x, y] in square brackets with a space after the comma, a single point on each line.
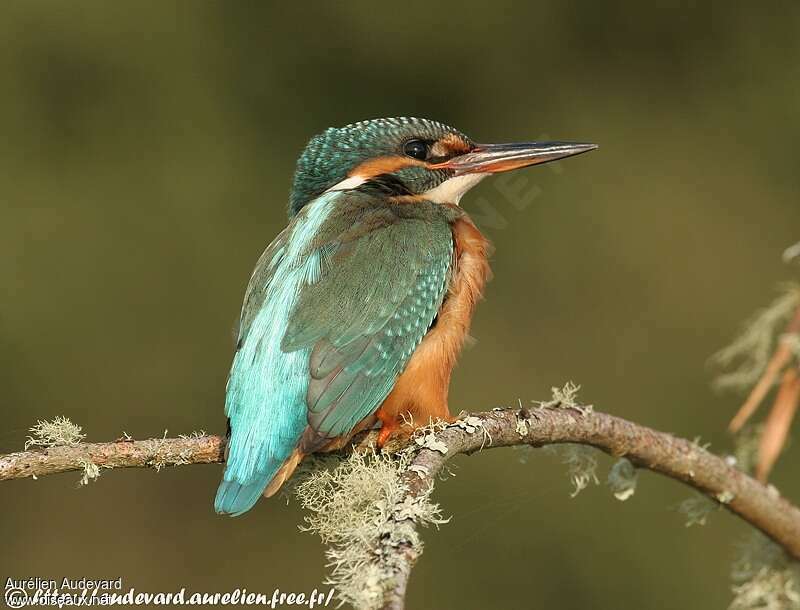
[333, 312]
[383, 277]
[265, 396]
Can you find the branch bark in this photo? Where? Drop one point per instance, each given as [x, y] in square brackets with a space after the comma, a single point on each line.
[761, 506]
[153, 453]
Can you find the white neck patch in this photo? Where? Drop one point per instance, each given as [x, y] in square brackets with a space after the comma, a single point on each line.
[347, 184]
[451, 191]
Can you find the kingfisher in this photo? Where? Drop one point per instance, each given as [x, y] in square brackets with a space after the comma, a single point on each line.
[356, 313]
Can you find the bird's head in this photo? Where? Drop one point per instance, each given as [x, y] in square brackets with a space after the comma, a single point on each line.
[410, 157]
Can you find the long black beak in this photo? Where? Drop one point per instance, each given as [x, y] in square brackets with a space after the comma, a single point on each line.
[493, 158]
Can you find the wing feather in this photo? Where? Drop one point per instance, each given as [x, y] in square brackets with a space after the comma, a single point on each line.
[334, 310]
[377, 295]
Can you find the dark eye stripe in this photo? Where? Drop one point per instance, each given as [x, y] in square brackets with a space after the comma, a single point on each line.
[385, 184]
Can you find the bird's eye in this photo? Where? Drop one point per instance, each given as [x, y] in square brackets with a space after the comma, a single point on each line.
[417, 149]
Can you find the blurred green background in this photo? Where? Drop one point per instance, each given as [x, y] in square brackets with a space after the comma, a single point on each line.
[146, 151]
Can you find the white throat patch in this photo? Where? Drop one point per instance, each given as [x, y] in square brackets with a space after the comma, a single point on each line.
[451, 191]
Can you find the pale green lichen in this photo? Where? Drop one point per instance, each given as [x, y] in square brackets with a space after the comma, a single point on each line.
[433, 426]
[764, 578]
[157, 458]
[753, 348]
[622, 479]
[522, 426]
[566, 396]
[768, 590]
[421, 470]
[429, 441]
[91, 472]
[581, 462]
[425, 436]
[697, 509]
[725, 496]
[361, 509]
[471, 425]
[158, 454]
[57, 433]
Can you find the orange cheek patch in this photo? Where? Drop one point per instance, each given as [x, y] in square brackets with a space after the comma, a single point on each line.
[455, 144]
[449, 145]
[383, 165]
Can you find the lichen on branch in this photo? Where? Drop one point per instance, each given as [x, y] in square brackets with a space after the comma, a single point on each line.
[59, 432]
[362, 510]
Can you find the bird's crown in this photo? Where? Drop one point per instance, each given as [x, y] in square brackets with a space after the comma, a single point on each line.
[401, 143]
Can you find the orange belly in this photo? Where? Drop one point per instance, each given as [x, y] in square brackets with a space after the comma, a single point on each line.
[420, 393]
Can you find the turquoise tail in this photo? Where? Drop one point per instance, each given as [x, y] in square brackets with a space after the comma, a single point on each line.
[234, 498]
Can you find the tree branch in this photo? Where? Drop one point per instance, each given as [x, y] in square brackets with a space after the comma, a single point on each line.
[152, 453]
[761, 506]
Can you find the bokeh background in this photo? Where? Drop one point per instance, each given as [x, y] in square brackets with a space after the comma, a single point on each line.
[146, 152]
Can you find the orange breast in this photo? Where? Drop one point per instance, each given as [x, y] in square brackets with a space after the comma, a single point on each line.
[421, 391]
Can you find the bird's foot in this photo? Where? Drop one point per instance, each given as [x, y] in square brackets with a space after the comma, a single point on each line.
[389, 427]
